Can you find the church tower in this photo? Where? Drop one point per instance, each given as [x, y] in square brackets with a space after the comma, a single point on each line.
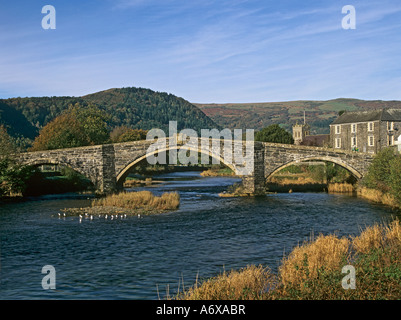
[300, 131]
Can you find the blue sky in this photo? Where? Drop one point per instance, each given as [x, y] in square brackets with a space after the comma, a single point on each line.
[204, 51]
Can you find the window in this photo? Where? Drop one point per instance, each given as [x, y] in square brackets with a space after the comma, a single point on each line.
[390, 140]
[353, 128]
[338, 129]
[371, 126]
[371, 141]
[353, 142]
[390, 126]
[338, 143]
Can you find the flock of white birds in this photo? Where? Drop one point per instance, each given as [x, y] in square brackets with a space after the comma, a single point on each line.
[90, 217]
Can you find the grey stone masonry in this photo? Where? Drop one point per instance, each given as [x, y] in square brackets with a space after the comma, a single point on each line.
[366, 131]
[108, 165]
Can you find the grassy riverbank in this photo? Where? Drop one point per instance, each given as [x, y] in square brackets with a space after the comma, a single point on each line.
[313, 270]
[218, 172]
[378, 196]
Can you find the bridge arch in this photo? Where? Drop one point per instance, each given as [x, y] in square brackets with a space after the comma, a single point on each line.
[44, 161]
[125, 171]
[341, 163]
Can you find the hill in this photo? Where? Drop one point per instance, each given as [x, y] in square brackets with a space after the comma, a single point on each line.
[319, 114]
[133, 107]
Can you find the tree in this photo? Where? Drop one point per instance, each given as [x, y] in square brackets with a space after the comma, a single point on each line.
[274, 133]
[94, 123]
[78, 126]
[125, 134]
[13, 176]
[7, 147]
[379, 172]
[395, 177]
[384, 173]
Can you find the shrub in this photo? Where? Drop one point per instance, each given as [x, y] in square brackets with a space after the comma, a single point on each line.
[379, 172]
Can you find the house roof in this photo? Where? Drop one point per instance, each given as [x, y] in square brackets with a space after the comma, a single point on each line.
[315, 140]
[367, 116]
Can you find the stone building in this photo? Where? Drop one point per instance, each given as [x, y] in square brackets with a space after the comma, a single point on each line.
[301, 135]
[299, 132]
[366, 131]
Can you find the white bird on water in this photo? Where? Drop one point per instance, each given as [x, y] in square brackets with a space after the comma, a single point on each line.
[105, 216]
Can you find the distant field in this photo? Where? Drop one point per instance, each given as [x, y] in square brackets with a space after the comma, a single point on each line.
[319, 114]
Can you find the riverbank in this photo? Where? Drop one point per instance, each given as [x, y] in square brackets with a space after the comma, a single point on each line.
[314, 270]
[219, 172]
[377, 196]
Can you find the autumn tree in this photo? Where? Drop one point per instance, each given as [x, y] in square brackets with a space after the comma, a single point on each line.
[78, 126]
[125, 134]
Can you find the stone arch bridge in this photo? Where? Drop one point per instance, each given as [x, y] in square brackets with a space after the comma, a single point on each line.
[108, 165]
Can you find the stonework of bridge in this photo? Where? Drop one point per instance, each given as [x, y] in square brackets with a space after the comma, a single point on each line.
[108, 165]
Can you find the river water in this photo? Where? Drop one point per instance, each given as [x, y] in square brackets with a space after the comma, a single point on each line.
[149, 256]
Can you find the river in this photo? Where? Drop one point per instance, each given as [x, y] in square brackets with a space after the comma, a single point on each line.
[149, 256]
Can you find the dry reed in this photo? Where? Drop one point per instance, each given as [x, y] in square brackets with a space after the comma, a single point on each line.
[340, 188]
[376, 196]
[292, 181]
[305, 261]
[140, 200]
[377, 237]
[313, 271]
[249, 283]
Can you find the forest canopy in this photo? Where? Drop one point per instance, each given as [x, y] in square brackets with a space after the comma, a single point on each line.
[135, 108]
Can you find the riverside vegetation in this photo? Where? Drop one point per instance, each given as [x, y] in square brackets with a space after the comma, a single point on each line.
[383, 181]
[313, 270]
[130, 203]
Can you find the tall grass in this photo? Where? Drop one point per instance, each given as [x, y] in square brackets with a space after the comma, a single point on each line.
[340, 187]
[378, 196]
[313, 270]
[306, 261]
[140, 200]
[248, 283]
